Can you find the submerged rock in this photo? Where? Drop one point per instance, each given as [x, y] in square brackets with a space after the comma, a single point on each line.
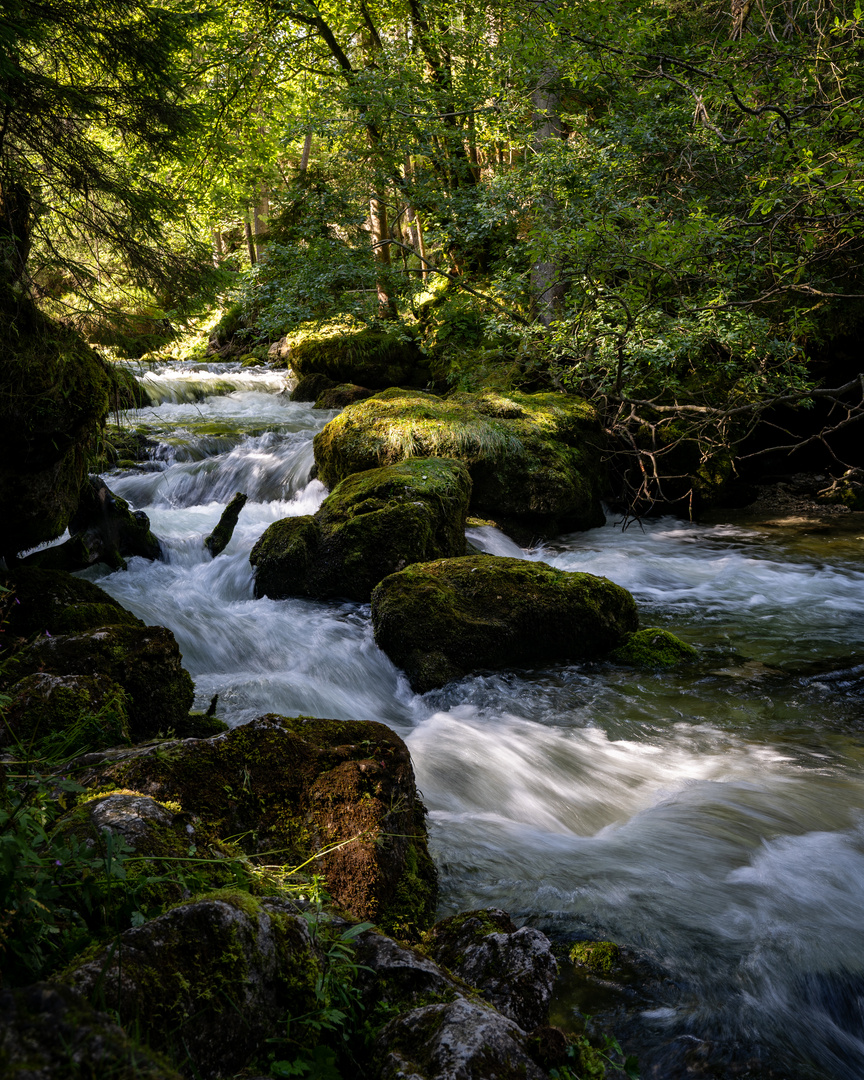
[372, 524]
[514, 970]
[653, 647]
[371, 358]
[209, 981]
[532, 457]
[48, 1031]
[220, 538]
[293, 787]
[441, 620]
[87, 711]
[144, 660]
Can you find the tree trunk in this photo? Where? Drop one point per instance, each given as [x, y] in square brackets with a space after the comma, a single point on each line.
[250, 242]
[380, 240]
[261, 217]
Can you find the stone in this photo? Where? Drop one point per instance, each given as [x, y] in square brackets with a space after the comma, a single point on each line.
[340, 395]
[458, 1040]
[653, 647]
[293, 787]
[371, 525]
[310, 387]
[514, 970]
[372, 358]
[442, 620]
[54, 397]
[55, 602]
[103, 530]
[209, 981]
[144, 660]
[84, 711]
[532, 457]
[49, 1031]
[220, 538]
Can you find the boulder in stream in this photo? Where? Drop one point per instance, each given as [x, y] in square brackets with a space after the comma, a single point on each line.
[144, 660]
[372, 358]
[442, 620]
[654, 647]
[534, 458]
[372, 524]
[103, 529]
[293, 787]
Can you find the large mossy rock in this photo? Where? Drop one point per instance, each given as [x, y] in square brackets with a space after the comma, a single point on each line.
[532, 457]
[209, 981]
[372, 358]
[49, 1031]
[77, 712]
[103, 529]
[55, 602]
[293, 787]
[372, 524]
[144, 660]
[441, 620]
[54, 397]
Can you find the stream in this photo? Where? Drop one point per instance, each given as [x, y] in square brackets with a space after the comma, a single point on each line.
[710, 819]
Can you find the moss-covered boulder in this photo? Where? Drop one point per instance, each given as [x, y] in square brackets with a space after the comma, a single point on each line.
[653, 647]
[54, 396]
[49, 1031]
[310, 387]
[209, 981]
[459, 1040]
[532, 457]
[372, 358]
[294, 787]
[371, 525]
[78, 712]
[55, 602]
[513, 969]
[167, 856]
[103, 529]
[341, 395]
[144, 660]
[442, 620]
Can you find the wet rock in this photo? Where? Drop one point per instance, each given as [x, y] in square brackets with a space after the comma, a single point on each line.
[144, 660]
[54, 396]
[48, 1031]
[90, 710]
[220, 538]
[209, 981]
[393, 974]
[341, 395]
[534, 458]
[459, 1040]
[103, 529]
[121, 448]
[513, 969]
[292, 787]
[55, 602]
[311, 387]
[371, 525]
[441, 620]
[368, 358]
[653, 647]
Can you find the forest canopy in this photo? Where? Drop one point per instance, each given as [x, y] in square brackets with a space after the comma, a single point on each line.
[658, 205]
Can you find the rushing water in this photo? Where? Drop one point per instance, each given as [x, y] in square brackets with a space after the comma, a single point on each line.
[710, 818]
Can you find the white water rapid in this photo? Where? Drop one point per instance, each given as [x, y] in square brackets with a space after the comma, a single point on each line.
[711, 818]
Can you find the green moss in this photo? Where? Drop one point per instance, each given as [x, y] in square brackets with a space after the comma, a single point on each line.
[441, 620]
[413, 905]
[199, 725]
[653, 647]
[368, 358]
[341, 395]
[597, 956]
[371, 525]
[531, 455]
[78, 714]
